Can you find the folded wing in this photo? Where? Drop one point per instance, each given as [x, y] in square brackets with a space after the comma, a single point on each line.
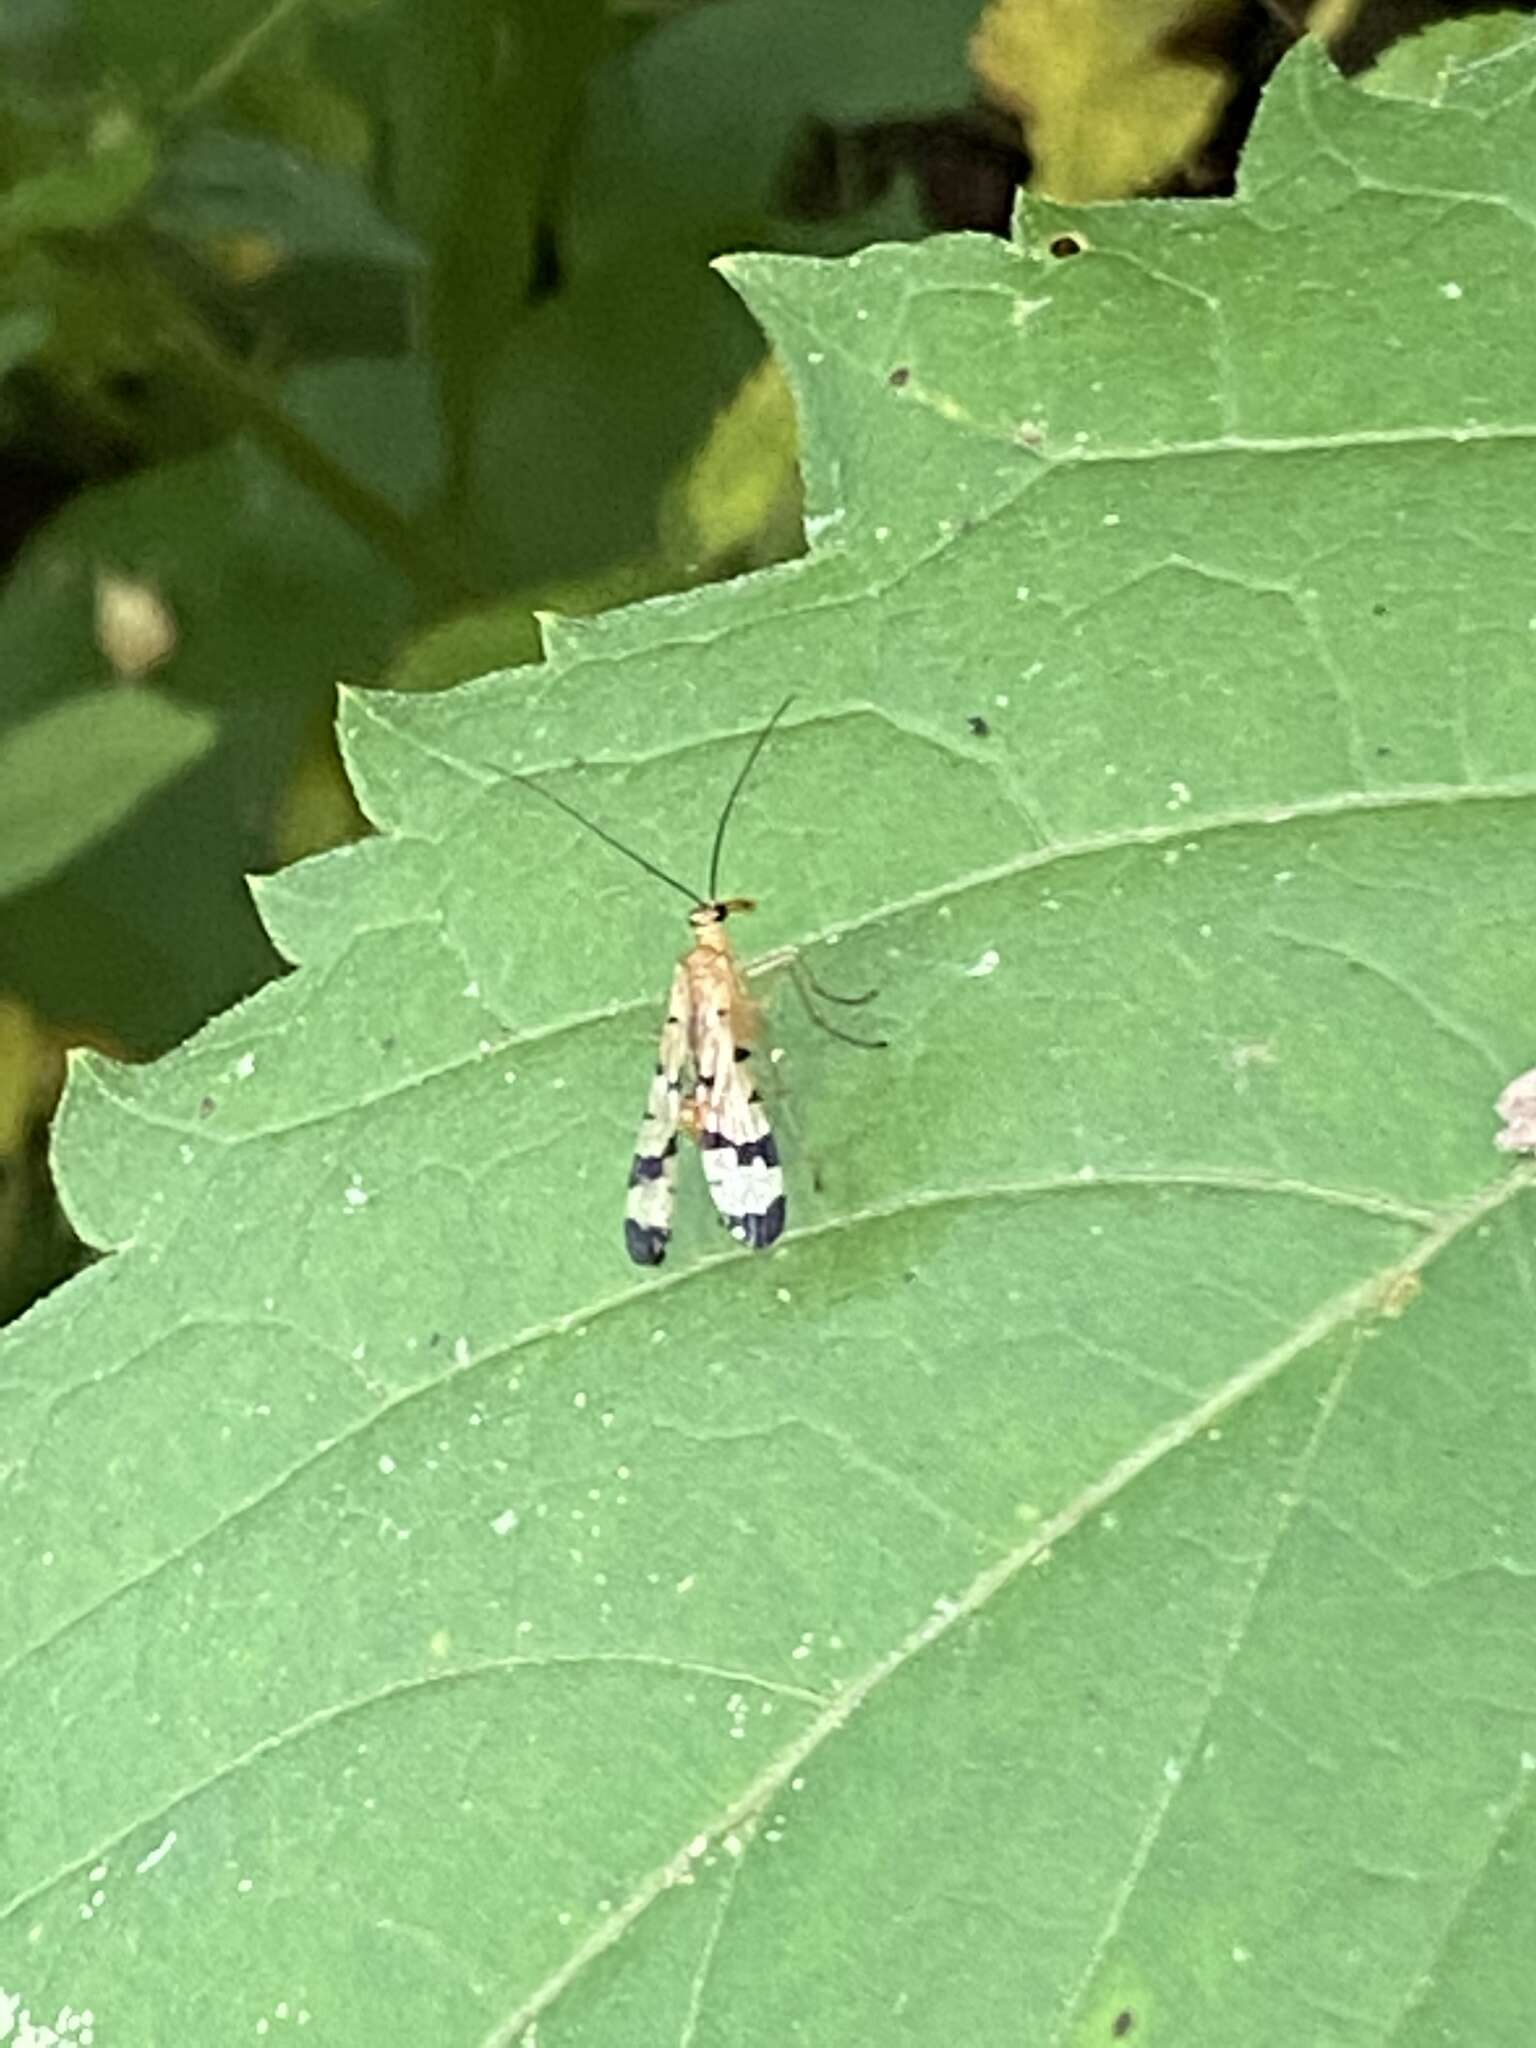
[737, 1145]
[653, 1171]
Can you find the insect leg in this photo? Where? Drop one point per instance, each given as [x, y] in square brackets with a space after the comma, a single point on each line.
[808, 991]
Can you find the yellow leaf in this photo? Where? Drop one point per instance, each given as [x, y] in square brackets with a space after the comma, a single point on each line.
[740, 496]
[31, 1071]
[1106, 110]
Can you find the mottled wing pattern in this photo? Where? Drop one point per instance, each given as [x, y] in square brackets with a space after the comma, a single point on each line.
[741, 1157]
[653, 1172]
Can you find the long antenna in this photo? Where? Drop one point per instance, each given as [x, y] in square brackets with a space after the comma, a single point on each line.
[618, 845]
[730, 803]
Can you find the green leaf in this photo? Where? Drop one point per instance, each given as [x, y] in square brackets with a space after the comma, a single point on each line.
[635, 359]
[481, 101]
[274, 598]
[219, 184]
[93, 182]
[23, 331]
[72, 772]
[167, 49]
[1420, 67]
[1081, 1587]
[648, 159]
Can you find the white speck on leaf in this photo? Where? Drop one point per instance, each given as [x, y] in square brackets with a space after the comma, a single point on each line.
[1516, 1109]
[505, 1522]
[245, 1066]
[987, 964]
[161, 1849]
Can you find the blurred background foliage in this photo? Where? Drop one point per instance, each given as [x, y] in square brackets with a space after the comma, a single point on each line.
[339, 337]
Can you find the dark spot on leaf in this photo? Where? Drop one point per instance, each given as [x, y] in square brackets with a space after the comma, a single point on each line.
[207, 1106]
[1123, 2023]
[899, 376]
[1066, 245]
[1378, 611]
[979, 725]
[387, 1044]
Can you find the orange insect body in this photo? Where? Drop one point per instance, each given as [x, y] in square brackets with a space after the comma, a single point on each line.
[711, 1023]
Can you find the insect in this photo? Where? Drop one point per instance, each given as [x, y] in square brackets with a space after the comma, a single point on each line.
[703, 1087]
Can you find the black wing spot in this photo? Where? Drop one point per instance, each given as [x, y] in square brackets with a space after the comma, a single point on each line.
[759, 1231]
[652, 1165]
[748, 1153]
[646, 1245]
